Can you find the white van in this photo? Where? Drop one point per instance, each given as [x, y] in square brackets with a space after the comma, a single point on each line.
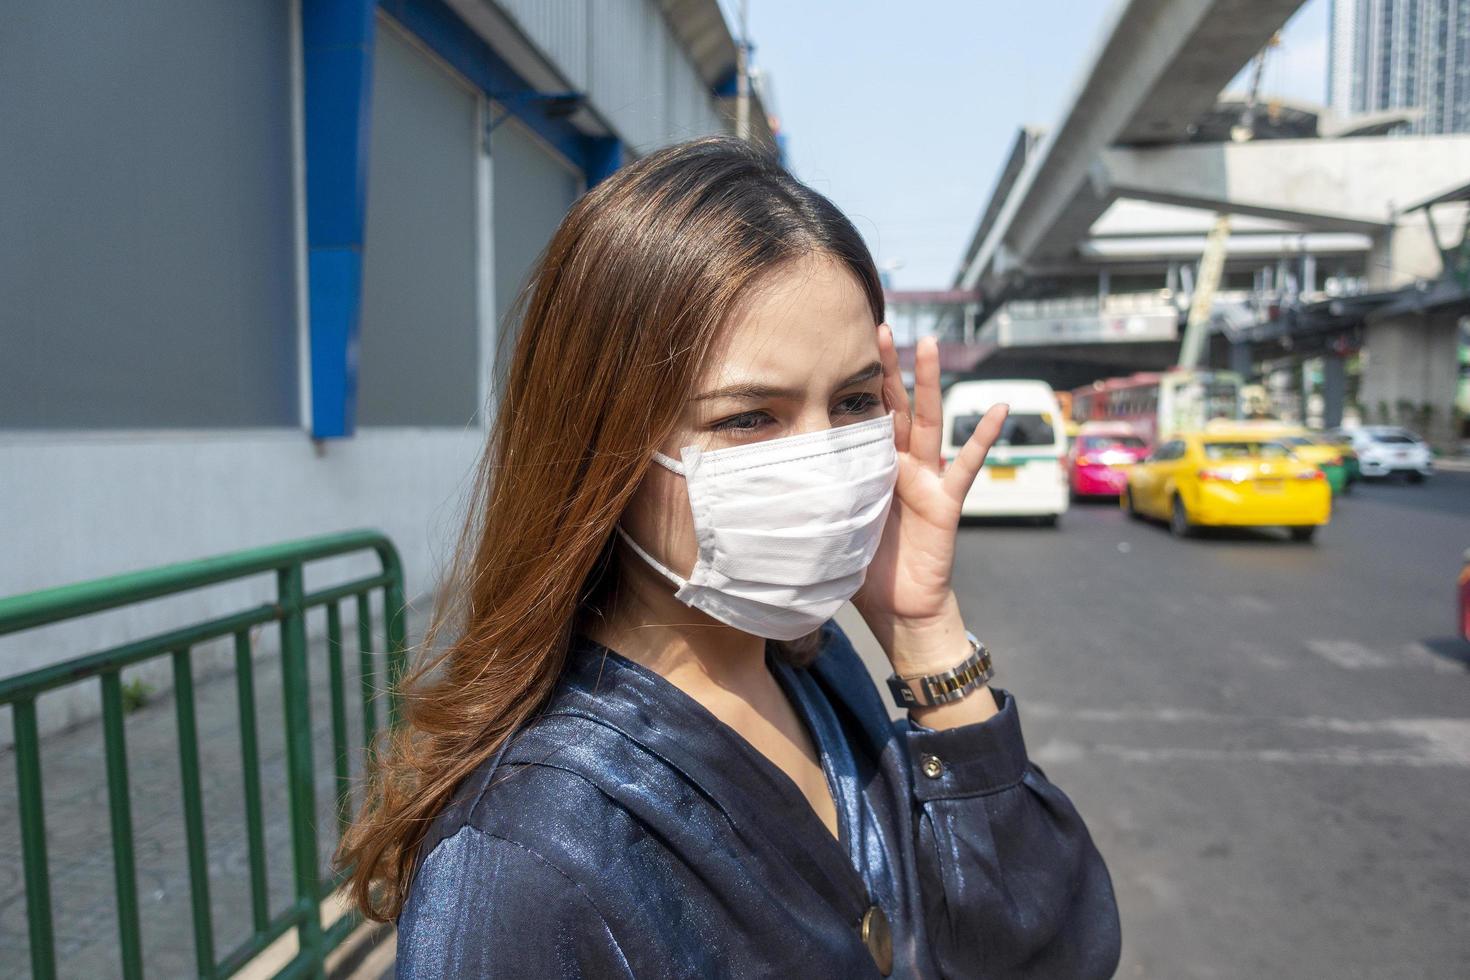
[1025, 473]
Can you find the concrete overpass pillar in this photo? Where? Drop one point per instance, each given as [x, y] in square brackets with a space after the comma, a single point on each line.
[1334, 389]
[1411, 374]
[1240, 359]
[1301, 381]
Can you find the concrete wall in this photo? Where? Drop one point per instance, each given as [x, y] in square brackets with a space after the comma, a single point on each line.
[83, 505]
[1413, 359]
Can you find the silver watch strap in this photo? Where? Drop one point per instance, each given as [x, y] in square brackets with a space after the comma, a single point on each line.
[945, 686]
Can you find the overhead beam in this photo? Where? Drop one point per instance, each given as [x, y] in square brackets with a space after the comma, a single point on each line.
[1324, 185]
[1223, 38]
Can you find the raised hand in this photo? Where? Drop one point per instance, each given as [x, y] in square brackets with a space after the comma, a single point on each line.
[907, 599]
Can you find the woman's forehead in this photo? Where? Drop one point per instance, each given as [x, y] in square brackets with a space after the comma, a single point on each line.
[805, 321]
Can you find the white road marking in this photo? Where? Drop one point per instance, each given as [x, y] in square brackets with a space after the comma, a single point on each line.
[1260, 653]
[1420, 655]
[1427, 741]
[1343, 756]
[1349, 655]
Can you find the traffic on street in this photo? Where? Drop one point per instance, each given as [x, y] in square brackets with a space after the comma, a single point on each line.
[1271, 742]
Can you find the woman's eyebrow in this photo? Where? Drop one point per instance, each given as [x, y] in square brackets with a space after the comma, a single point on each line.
[874, 370]
[750, 391]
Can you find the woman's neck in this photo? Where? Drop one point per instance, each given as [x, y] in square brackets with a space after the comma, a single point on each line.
[650, 627]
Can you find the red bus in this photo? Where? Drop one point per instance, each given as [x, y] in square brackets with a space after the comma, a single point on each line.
[1160, 403]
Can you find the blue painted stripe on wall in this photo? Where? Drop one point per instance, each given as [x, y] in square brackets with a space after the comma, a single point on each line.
[334, 311]
[604, 156]
[728, 86]
[339, 85]
[330, 22]
[337, 56]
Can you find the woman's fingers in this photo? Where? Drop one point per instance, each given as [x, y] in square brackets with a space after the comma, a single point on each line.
[894, 394]
[928, 427]
[961, 472]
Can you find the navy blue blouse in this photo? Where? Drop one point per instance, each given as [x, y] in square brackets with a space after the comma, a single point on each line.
[628, 832]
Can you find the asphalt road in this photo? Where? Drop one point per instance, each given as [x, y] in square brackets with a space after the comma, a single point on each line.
[1270, 741]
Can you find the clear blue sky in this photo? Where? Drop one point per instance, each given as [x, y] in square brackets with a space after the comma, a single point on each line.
[901, 112]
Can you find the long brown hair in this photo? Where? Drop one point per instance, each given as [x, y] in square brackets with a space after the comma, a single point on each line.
[616, 319]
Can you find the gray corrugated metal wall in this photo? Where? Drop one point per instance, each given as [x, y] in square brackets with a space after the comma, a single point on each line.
[627, 80]
[689, 111]
[419, 339]
[147, 273]
[533, 191]
[625, 55]
[559, 29]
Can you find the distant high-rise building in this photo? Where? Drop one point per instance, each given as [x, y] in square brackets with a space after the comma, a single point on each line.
[1401, 54]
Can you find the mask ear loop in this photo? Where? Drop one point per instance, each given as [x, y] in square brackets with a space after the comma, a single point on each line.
[658, 566]
[669, 463]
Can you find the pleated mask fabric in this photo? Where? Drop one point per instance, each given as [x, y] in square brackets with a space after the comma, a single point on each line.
[786, 528]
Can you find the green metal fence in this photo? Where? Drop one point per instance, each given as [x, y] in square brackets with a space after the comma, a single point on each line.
[287, 561]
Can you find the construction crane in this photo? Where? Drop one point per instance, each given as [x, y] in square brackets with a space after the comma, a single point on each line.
[1212, 260]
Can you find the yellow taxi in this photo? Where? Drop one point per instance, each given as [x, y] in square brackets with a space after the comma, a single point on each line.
[1227, 479]
[1306, 445]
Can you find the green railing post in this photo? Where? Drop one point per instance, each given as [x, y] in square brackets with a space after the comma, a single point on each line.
[193, 795]
[120, 805]
[294, 680]
[365, 670]
[33, 839]
[250, 774]
[394, 612]
[338, 685]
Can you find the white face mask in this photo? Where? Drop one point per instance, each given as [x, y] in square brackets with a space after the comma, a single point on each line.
[786, 528]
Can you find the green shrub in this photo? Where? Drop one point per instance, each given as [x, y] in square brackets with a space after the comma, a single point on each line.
[135, 694]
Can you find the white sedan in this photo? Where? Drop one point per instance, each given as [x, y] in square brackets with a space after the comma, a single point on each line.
[1384, 450]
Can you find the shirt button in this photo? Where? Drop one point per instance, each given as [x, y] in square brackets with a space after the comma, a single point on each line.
[931, 766]
[878, 938]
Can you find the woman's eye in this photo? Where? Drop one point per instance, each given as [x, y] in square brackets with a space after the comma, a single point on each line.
[857, 404]
[744, 422]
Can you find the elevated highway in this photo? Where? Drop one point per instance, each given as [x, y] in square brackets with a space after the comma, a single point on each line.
[1159, 68]
[1328, 253]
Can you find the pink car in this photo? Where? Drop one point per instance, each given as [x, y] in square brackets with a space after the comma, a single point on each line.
[1097, 465]
[1465, 598]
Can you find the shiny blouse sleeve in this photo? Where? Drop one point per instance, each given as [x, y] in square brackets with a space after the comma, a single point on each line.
[487, 907]
[1012, 885]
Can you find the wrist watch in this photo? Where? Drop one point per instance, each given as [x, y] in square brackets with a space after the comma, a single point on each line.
[948, 685]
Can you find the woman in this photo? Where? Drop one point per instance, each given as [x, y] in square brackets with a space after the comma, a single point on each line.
[647, 751]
